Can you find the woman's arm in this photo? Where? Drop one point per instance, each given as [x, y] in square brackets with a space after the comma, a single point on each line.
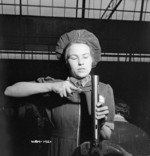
[23, 89]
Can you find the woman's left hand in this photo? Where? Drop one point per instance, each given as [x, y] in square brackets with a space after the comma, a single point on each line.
[101, 109]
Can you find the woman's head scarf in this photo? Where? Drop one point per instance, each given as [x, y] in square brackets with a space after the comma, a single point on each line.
[79, 36]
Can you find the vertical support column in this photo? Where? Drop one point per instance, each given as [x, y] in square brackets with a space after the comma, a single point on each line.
[83, 8]
[141, 12]
[20, 7]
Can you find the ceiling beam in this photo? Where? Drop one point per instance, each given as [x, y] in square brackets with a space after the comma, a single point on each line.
[106, 9]
[114, 9]
[141, 12]
[83, 8]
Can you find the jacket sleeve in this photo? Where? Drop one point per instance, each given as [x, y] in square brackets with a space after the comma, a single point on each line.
[111, 107]
[106, 92]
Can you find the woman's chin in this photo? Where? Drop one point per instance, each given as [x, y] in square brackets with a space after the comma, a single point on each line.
[81, 76]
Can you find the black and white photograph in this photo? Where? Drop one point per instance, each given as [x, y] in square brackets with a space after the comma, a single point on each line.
[74, 77]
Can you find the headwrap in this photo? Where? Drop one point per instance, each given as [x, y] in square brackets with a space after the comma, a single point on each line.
[77, 36]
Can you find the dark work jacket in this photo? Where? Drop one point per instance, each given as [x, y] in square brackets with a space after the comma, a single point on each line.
[70, 117]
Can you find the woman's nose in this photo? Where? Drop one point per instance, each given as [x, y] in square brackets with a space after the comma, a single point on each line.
[80, 61]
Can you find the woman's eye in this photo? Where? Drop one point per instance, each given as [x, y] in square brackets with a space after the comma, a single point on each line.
[73, 57]
[86, 56]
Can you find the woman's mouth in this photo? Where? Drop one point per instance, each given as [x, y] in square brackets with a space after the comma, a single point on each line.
[81, 69]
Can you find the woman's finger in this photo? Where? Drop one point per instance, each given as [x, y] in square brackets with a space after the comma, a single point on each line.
[64, 93]
[99, 104]
[98, 109]
[100, 117]
[74, 87]
[68, 90]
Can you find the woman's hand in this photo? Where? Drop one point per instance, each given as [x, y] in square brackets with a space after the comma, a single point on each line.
[101, 110]
[64, 88]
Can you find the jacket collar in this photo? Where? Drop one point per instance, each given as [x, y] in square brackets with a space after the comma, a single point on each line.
[80, 83]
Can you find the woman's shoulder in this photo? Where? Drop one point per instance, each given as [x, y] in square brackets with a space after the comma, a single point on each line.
[104, 85]
[105, 89]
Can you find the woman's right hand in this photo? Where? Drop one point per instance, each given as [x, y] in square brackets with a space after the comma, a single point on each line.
[64, 88]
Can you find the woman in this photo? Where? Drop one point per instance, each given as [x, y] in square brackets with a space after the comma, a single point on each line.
[68, 102]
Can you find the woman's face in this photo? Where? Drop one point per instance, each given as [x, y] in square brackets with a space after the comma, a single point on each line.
[79, 59]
